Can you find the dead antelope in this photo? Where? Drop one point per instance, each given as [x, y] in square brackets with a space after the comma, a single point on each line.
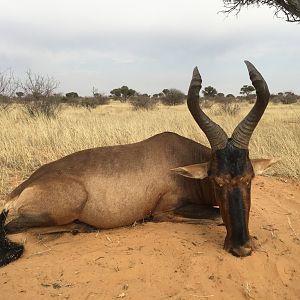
[115, 186]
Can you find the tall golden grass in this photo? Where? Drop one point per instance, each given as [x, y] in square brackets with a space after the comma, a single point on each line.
[26, 143]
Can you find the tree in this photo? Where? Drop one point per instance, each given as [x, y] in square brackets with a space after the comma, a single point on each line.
[173, 97]
[289, 98]
[247, 90]
[39, 86]
[289, 8]
[229, 96]
[116, 92]
[157, 95]
[145, 95]
[166, 91]
[72, 95]
[285, 98]
[126, 92]
[19, 94]
[40, 99]
[123, 92]
[8, 84]
[209, 91]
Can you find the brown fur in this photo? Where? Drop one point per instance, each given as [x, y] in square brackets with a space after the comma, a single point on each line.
[112, 186]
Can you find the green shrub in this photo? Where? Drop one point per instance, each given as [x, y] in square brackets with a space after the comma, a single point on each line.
[172, 97]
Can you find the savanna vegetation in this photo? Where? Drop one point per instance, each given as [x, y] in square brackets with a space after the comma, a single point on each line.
[38, 126]
[26, 143]
[37, 96]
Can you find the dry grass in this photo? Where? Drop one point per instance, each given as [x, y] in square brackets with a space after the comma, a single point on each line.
[26, 143]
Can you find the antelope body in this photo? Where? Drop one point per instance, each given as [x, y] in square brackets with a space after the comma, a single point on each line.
[115, 186]
[109, 187]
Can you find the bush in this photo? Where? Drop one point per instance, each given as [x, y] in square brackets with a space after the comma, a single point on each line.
[289, 98]
[91, 102]
[101, 99]
[173, 97]
[40, 99]
[276, 99]
[38, 86]
[87, 102]
[284, 98]
[229, 108]
[48, 107]
[230, 96]
[207, 104]
[19, 94]
[159, 95]
[143, 102]
[5, 104]
[72, 95]
[217, 99]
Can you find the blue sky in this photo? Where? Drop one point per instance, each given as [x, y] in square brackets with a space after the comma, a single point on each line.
[148, 46]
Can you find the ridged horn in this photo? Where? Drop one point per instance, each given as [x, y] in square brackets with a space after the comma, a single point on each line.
[214, 133]
[242, 133]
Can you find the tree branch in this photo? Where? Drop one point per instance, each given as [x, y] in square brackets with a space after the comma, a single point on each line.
[289, 8]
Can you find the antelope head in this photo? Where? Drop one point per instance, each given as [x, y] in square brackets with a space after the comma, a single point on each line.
[230, 170]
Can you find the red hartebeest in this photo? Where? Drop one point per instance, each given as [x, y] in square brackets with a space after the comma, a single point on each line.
[115, 186]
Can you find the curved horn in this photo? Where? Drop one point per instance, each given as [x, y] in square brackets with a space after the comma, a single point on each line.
[214, 133]
[242, 133]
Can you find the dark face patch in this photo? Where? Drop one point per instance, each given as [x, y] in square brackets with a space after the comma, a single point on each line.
[236, 209]
[229, 161]
[231, 172]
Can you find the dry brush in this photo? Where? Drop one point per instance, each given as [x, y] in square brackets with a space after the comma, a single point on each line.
[27, 143]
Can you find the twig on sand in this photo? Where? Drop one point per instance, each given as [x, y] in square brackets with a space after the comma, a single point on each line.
[108, 238]
[281, 213]
[269, 228]
[38, 253]
[205, 296]
[294, 232]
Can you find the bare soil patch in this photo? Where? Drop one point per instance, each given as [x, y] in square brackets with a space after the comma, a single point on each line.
[165, 260]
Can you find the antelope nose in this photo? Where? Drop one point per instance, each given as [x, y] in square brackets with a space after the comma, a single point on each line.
[241, 251]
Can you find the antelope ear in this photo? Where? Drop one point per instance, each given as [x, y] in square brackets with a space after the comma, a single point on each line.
[260, 165]
[198, 171]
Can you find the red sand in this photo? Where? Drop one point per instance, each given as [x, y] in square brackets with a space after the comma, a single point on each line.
[167, 260]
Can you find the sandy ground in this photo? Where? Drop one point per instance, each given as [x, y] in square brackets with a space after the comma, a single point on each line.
[165, 260]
